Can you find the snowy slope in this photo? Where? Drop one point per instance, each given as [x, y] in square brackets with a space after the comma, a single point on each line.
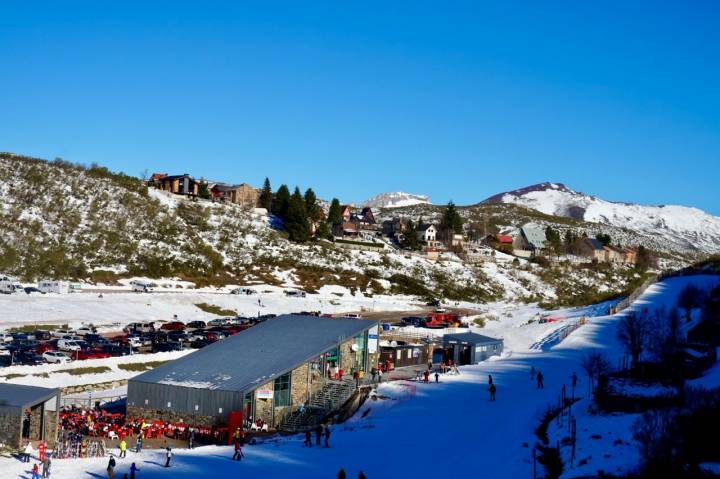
[684, 227]
[396, 200]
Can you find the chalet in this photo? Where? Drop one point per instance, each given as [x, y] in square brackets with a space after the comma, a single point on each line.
[427, 233]
[243, 194]
[179, 184]
[530, 240]
[156, 177]
[346, 212]
[629, 254]
[613, 255]
[501, 242]
[589, 248]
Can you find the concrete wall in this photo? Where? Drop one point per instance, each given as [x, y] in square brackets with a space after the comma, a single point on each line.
[11, 428]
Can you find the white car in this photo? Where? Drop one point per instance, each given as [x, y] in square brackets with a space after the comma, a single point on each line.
[218, 322]
[69, 345]
[6, 338]
[4, 351]
[56, 357]
[61, 333]
[135, 342]
[85, 330]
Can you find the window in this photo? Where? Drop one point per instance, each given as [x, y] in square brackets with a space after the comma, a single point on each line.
[399, 354]
[281, 396]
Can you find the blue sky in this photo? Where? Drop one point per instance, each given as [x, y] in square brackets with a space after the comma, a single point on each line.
[456, 100]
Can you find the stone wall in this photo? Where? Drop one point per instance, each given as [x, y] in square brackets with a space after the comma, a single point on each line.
[35, 422]
[299, 387]
[10, 430]
[172, 416]
[51, 424]
[264, 407]
[347, 356]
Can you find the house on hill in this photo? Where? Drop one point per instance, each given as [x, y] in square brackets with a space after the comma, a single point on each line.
[589, 248]
[427, 234]
[243, 194]
[530, 241]
[613, 254]
[179, 184]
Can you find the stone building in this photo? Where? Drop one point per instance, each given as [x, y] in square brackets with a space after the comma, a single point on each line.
[264, 372]
[28, 413]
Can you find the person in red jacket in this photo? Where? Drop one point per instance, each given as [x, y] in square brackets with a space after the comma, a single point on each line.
[426, 376]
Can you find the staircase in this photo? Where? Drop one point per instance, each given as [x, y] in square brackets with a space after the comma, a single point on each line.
[330, 397]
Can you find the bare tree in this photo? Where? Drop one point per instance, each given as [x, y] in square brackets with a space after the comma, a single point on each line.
[633, 334]
[594, 364]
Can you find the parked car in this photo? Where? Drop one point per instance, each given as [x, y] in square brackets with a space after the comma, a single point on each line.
[85, 330]
[243, 291]
[61, 333]
[56, 357]
[142, 286]
[295, 293]
[416, 321]
[69, 345]
[31, 290]
[5, 350]
[165, 347]
[200, 343]
[45, 346]
[173, 326]
[144, 327]
[119, 349]
[218, 322]
[6, 338]
[42, 335]
[90, 354]
[28, 358]
[196, 325]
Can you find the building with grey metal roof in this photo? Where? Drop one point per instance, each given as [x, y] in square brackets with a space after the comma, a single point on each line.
[470, 348]
[282, 360]
[27, 413]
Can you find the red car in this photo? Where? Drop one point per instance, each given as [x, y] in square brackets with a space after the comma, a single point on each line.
[90, 354]
[173, 326]
[44, 347]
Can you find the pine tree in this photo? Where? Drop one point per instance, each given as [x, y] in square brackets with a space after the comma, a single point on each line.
[410, 237]
[265, 196]
[452, 221]
[314, 212]
[296, 220]
[553, 238]
[334, 214]
[203, 191]
[281, 201]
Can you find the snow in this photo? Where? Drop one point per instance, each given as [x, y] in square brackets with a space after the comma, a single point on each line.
[681, 225]
[396, 200]
[415, 429]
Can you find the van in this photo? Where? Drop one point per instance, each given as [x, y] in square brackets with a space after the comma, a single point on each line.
[144, 327]
[52, 286]
[142, 286]
[9, 285]
[69, 345]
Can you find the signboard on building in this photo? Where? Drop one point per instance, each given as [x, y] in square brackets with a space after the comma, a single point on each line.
[264, 394]
[372, 346]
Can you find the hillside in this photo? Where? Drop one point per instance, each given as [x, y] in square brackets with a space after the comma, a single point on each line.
[60, 220]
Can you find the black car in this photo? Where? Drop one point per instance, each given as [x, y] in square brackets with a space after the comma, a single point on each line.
[119, 349]
[200, 343]
[196, 325]
[165, 347]
[30, 290]
[413, 321]
[42, 335]
[29, 358]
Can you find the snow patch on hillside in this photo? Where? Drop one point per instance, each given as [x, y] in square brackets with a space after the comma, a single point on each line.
[396, 200]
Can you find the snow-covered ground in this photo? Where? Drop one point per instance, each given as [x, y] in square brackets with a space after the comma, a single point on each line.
[428, 430]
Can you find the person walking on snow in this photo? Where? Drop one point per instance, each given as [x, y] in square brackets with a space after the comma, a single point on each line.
[111, 468]
[426, 376]
[238, 451]
[327, 435]
[133, 470]
[341, 474]
[492, 390]
[437, 377]
[308, 439]
[138, 444]
[318, 434]
[540, 379]
[191, 438]
[35, 472]
[46, 466]
[123, 448]
[168, 456]
[490, 381]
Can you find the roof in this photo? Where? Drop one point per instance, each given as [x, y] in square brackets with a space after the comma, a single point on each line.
[594, 244]
[19, 396]
[472, 338]
[259, 354]
[424, 227]
[504, 238]
[535, 235]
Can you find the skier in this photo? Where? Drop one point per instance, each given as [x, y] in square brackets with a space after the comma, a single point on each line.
[341, 473]
[490, 381]
[168, 456]
[437, 377]
[327, 435]
[133, 470]
[532, 373]
[191, 438]
[238, 451]
[308, 439]
[318, 434]
[46, 466]
[111, 467]
[426, 376]
[540, 378]
[123, 448]
[492, 390]
[36, 472]
[138, 444]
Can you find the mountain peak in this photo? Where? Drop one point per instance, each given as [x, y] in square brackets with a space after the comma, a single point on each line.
[395, 200]
[538, 187]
